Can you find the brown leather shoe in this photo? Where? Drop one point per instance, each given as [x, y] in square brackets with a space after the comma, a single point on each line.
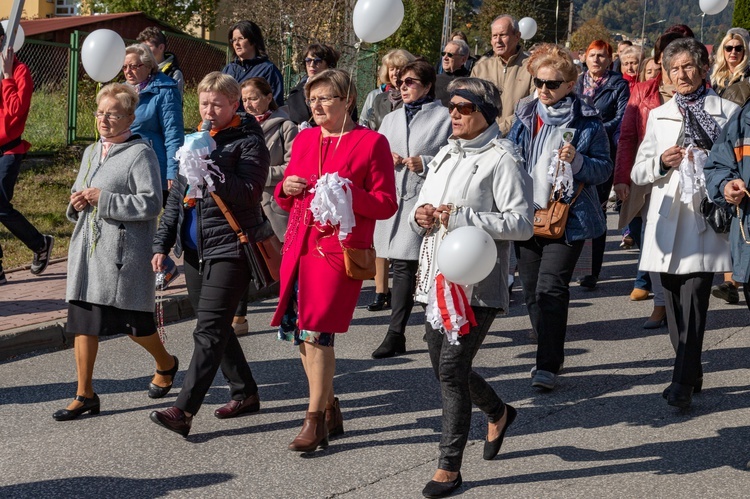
[638, 294]
[237, 407]
[314, 433]
[173, 419]
[334, 419]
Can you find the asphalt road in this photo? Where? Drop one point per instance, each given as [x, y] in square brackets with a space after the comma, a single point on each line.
[605, 432]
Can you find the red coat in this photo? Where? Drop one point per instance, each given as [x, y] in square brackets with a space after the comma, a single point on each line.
[312, 253]
[15, 101]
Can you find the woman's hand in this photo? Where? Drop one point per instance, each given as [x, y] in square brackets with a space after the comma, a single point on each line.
[7, 62]
[92, 195]
[672, 157]
[567, 153]
[157, 262]
[442, 214]
[734, 191]
[622, 191]
[397, 159]
[424, 216]
[414, 163]
[78, 201]
[294, 185]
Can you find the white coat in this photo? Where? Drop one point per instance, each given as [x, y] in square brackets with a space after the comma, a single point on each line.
[675, 241]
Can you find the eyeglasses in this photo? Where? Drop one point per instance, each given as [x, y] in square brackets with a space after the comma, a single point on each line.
[237, 40]
[735, 48]
[324, 100]
[108, 116]
[131, 67]
[449, 54]
[310, 61]
[463, 108]
[550, 84]
[409, 82]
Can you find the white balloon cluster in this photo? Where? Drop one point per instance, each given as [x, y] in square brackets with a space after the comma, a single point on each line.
[376, 20]
[103, 54]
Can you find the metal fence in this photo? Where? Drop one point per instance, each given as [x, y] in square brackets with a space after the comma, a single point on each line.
[63, 101]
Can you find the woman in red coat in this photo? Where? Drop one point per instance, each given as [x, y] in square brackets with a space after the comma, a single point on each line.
[317, 297]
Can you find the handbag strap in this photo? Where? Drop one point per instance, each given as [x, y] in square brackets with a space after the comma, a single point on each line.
[231, 219]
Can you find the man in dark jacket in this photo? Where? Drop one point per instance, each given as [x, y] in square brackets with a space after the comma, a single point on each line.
[154, 38]
[454, 56]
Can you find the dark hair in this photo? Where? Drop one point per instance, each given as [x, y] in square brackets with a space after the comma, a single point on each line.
[262, 86]
[674, 33]
[152, 34]
[2, 30]
[625, 42]
[459, 34]
[682, 29]
[425, 73]
[252, 32]
[329, 54]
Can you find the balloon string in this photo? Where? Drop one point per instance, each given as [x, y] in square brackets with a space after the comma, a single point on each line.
[96, 127]
[349, 92]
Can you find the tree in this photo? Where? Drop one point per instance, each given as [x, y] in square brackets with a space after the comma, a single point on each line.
[589, 31]
[741, 15]
[178, 13]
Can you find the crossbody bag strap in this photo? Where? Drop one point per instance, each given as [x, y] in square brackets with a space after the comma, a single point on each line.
[230, 218]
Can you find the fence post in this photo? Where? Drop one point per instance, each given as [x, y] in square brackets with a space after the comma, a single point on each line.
[74, 56]
[289, 63]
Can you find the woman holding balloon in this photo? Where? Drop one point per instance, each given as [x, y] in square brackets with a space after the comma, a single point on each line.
[476, 180]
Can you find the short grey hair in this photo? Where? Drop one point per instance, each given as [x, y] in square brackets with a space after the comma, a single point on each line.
[695, 49]
[482, 89]
[631, 50]
[463, 47]
[513, 22]
[145, 54]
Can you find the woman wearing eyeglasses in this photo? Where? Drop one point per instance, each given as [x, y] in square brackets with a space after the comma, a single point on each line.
[251, 59]
[415, 132]
[317, 297]
[115, 202]
[317, 58]
[475, 180]
[546, 265]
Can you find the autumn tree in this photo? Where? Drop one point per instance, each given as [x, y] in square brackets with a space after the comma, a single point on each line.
[177, 13]
[591, 30]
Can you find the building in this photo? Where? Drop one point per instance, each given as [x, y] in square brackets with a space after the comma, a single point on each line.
[41, 9]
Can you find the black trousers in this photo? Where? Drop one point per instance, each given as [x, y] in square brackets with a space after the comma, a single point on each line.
[687, 298]
[460, 386]
[598, 244]
[546, 267]
[12, 219]
[402, 293]
[214, 296]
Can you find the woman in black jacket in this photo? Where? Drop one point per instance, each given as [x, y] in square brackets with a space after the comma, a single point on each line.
[216, 270]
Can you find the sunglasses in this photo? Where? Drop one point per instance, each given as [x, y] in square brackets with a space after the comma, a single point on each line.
[314, 61]
[409, 82]
[550, 84]
[449, 54]
[735, 48]
[463, 108]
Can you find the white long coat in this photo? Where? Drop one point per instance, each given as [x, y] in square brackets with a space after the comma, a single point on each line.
[675, 239]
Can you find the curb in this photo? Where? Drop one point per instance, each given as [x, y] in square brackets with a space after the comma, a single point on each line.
[51, 335]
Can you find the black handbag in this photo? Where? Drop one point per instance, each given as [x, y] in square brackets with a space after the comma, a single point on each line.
[719, 218]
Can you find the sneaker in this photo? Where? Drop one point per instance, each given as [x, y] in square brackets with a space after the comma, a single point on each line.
[727, 292]
[543, 379]
[559, 370]
[41, 258]
[165, 277]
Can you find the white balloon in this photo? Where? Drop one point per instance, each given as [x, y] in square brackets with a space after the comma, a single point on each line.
[528, 28]
[467, 255]
[376, 20]
[20, 36]
[712, 7]
[103, 54]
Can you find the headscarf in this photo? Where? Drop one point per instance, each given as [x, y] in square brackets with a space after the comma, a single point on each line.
[489, 111]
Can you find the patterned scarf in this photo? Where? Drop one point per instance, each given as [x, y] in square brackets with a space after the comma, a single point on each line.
[412, 108]
[592, 85]
[701, 129]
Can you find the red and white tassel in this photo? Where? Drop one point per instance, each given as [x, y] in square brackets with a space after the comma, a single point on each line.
[449, 309]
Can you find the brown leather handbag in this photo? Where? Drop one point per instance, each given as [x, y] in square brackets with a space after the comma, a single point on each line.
[360, 263]
[549, 222]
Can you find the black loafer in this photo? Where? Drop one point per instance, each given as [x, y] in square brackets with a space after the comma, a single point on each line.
[680, 395]
[156, 391]
[492, 448]
[696, 388]
[91, 405]
[442, 489]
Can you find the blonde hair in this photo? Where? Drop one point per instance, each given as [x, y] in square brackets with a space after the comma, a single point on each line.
[541, 50]
[146, 56]
[721, 76]
[644, 65]
[559, 59]
[125, 95]
[340, 83]
[217, 81]
[396, 58]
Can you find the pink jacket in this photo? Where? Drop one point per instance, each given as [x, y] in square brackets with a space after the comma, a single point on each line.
[312, 253]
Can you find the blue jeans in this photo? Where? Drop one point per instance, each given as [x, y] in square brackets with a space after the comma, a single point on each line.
[10, 165]
[642, 279]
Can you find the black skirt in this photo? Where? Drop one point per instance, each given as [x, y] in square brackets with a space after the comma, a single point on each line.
[102, 320]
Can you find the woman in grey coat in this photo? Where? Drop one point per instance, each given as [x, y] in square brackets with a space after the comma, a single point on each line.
[115, 202]
[415, 132]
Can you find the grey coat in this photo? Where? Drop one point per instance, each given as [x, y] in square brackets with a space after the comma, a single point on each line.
[279, 132]
[426, 134]
[109, 260]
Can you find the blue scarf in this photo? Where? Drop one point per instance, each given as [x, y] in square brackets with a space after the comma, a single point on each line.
[412, 108]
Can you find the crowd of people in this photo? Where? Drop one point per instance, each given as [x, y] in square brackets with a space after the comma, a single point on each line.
[499, 143]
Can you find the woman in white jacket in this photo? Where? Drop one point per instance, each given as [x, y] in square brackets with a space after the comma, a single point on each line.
[477, 179]
[678, 243]
[415, 132]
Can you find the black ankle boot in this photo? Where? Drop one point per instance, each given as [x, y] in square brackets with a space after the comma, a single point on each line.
[393, 343]
[381, 301]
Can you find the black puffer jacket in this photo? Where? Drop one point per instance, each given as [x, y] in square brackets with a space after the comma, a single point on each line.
[243, 158]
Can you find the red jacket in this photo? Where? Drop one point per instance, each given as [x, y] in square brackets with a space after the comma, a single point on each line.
[644, 97]
[14, 106]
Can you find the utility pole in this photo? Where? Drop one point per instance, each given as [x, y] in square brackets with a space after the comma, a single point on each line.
[570, 25]
[13, 22]
[447, 23]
